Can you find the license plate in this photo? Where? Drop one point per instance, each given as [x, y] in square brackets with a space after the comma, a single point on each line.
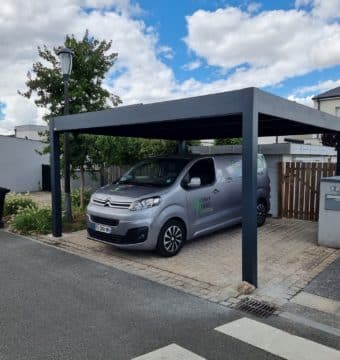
[103, 228]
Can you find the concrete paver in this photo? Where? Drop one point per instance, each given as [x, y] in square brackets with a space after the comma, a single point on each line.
[210, 267]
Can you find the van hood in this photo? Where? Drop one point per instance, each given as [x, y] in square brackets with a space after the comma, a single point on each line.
[126, 192]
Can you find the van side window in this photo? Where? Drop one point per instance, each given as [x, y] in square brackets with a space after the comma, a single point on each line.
[234, 169]
[203, 169]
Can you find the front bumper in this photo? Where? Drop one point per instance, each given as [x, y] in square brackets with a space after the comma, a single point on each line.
[133, 236]
[134, 230]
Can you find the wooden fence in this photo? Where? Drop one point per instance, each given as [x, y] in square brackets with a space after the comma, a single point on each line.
[300, 188]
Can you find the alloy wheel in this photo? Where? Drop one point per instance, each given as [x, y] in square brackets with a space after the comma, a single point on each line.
[173, 238]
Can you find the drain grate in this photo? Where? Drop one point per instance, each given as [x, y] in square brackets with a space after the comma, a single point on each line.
[256, 307]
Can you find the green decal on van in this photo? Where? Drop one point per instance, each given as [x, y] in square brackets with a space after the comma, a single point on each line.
[202, 205]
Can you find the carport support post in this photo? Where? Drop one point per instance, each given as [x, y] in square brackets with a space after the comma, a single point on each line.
[337, 147]
[249, 194]
[55, 181]
[181, 147]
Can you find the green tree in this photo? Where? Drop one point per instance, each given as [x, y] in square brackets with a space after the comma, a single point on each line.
[231, 141]
[122, 151]
[92, 61]
[157, 147]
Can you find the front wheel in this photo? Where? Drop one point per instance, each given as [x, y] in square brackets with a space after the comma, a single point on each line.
[171, 238]
[261, 213]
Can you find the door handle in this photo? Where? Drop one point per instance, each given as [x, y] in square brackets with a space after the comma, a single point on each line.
[216, 191]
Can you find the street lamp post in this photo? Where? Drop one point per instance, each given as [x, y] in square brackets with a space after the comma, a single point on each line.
[65, 56]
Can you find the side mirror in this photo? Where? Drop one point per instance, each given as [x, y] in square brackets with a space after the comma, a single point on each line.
[194, 182]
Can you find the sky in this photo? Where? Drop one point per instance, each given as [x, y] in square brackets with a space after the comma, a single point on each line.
[170, 49]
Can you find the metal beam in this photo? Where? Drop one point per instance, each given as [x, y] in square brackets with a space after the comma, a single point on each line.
[200, 107]
[55, 181]
[249, 194]
[178, 119]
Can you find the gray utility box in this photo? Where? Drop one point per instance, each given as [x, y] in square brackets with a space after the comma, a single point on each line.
[329, 213]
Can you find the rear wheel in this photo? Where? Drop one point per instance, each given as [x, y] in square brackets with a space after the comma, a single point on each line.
[171, 238]
[261, 212]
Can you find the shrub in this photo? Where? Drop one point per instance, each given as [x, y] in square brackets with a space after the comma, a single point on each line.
[78, 222]
[32, 220]
[16, 203]
[76, 197]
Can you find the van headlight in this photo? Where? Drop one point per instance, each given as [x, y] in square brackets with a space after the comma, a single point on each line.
[145, 203]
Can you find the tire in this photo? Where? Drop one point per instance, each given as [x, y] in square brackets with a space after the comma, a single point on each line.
[261, 212]
[171, 238]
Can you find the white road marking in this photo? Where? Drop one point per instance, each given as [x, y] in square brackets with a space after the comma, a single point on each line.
[317, 302]
[170, 352]
[276, 341]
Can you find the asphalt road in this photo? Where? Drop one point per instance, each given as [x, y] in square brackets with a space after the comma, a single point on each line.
[55, 305]
[326, 284]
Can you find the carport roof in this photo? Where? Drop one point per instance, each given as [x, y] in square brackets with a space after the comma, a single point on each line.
[201, 117]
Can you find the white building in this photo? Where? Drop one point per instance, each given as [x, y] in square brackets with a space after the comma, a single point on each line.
[21, 164]
[30, 132]
[328, 101]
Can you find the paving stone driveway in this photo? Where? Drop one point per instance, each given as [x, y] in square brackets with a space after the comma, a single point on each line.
[210, 267]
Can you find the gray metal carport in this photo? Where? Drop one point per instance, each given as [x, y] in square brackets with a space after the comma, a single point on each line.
[246, 113]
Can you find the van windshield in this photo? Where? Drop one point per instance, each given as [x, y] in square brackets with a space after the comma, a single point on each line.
[154, 172]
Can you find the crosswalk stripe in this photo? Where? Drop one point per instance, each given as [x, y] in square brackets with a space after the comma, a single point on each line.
[276, 341]
[170, 352]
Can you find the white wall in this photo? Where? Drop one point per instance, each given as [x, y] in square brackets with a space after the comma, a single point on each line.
[328, 105]
[31, 132]
[20, 164]
[311, 139]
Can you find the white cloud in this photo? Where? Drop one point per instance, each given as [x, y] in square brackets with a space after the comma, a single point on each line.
[167, 52]
[138, 76]
[325, 9]
[302, 100]
[26, 24]
[265, 48]
[301, 3]
[254, 7]
[192, 65]
[125, 7]
[318, 88]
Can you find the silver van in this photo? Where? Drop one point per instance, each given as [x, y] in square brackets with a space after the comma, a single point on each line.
[161, 202]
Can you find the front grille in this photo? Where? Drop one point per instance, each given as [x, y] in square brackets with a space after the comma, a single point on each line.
[112, 204]
[255, 307]
[110, 238]
[104, 221]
